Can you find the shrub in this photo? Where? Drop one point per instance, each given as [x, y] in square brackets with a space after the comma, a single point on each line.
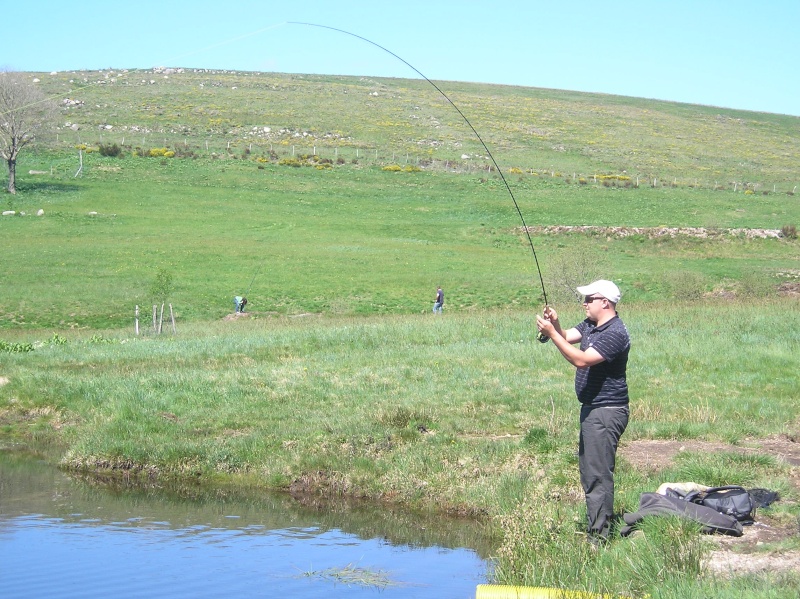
[789, 231]
[686, 285]
[111, 150]
[156, 152]
[754, 284]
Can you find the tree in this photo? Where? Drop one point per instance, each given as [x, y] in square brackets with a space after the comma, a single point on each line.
[24, 110]
[162, 286]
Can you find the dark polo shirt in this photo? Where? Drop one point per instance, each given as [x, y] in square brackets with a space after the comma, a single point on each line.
[604, 384]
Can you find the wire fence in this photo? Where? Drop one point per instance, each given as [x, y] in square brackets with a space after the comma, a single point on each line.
[431, 157]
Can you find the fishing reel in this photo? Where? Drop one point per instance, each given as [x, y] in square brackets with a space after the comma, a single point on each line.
[542, 338]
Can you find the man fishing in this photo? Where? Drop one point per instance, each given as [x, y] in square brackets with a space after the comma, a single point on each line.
[602, 389]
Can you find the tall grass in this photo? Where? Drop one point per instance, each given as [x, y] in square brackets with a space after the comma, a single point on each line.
[466, 411]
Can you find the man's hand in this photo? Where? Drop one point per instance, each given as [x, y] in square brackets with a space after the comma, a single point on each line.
[545, 325]
[550, 314]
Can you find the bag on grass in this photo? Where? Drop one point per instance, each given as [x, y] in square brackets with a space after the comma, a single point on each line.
[731, 500]
[763, 497]
[654, 504]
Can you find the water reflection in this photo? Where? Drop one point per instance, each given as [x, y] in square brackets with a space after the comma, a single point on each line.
[64, 537]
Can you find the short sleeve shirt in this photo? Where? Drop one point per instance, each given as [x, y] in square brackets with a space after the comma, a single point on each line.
[604, 384]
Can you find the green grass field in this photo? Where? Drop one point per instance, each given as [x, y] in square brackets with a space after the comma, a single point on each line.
[352, 240]
[339, 379]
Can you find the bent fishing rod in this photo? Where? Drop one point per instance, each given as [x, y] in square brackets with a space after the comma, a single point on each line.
[540, 337]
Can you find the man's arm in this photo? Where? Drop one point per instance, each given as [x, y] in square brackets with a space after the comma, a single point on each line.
[573, 355]
[564, 340]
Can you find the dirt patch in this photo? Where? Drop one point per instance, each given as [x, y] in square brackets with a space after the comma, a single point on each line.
[652, 454]
[750, 552]
[789, 288]
[236, 316]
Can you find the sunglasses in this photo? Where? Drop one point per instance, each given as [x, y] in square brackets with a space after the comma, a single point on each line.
[589, 300]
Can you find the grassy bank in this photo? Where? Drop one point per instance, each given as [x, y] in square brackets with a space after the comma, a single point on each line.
[467, 412]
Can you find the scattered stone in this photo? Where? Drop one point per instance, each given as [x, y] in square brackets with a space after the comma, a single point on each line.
[657, 232]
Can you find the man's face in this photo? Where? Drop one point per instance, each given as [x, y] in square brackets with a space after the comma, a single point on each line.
[594, 305]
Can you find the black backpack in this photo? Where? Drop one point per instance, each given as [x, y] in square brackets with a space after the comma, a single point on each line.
[732, 500]
[654, 504]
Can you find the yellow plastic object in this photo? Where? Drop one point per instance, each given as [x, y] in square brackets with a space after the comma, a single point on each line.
[501, 591]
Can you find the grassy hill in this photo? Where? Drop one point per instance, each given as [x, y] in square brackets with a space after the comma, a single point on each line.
[347, 195]
[531, 129]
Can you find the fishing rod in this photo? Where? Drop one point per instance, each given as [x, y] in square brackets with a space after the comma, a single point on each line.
[254, 278]
[540, 337]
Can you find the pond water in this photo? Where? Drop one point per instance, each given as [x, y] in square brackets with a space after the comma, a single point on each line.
[61, 536]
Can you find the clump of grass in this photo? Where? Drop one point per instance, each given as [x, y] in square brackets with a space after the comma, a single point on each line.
[726, 468]
[351, 575]
[686, 285]
[754, 284]
[544, 547]
[541, 439]
[664, 552]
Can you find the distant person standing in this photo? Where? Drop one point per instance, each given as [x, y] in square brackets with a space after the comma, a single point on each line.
[602, 389]
[239, 303]
[439, 301]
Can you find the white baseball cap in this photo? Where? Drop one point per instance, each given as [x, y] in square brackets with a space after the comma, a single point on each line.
[605, 288]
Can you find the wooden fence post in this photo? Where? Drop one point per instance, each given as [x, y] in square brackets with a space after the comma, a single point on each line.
[136, 325]
[172, 317]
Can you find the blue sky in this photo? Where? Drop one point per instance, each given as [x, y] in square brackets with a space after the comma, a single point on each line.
[728, 53]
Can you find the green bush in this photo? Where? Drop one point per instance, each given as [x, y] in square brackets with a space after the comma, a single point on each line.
[290, 162]
[111, 150]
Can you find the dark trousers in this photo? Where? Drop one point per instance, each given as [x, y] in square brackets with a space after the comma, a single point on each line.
[601, 429]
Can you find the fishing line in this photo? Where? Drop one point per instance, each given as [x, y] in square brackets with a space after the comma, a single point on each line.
[466, 120]
[254, 278]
